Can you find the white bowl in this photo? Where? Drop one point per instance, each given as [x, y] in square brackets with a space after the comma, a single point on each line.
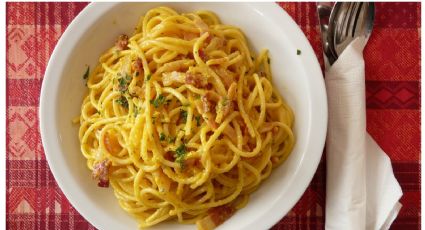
[298, 78]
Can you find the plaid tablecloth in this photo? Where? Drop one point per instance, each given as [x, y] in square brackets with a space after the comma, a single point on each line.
[34, 201]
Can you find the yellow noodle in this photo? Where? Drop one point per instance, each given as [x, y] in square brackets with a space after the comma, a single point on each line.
[174, 151]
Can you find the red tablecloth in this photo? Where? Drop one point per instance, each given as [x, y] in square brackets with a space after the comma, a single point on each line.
[34, 201]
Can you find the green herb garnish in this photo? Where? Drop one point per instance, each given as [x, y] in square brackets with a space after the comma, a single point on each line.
[137, 73]
[148, 77]
[180, 154]
[122, 101]
[123, 82]
[160, 100]
[183, 115]
[198, 120]
[298, 52]
[162, 137]
[268, 61]
[87, 73]
[171, 139]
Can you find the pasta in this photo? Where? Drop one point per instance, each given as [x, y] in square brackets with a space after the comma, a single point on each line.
[182, 119]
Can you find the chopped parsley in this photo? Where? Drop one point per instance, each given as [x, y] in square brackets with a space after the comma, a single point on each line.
[160, 100]
[171, 139]
[198, 120]
[183, 115]
[268, 60]
[298, 52]
[197, 97]
[137, 73]
[87, 73]
[180, 154]
[148, 77]
[162, 137]
[122, 101]
[123, 82]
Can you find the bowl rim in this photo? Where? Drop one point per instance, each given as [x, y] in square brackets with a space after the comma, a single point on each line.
[88, 16]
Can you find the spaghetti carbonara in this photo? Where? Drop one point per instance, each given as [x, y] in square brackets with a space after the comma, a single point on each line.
[182, 119]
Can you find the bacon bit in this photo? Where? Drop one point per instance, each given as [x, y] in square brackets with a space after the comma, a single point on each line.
[202, 55]
[190, 55]
[169, 156]
[122, 42]
[206, 103]
[195, 79]
[138, 66]
[189, 36]
[244, 129]
[111, 144]
[209, 86]
[204, 107]
[173, 77]
[216, 216]
[250, 146]
[101, 173]
[209, 38]
[227, 106]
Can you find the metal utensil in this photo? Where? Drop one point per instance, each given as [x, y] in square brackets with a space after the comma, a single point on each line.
[324, 10]
[349, 20]
[341, 23]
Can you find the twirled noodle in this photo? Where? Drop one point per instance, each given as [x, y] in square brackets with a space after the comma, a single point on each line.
[183, 120]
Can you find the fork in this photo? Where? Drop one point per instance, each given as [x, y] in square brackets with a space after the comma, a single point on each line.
[348, 20]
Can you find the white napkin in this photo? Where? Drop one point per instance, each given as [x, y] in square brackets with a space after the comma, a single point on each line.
[361, 190]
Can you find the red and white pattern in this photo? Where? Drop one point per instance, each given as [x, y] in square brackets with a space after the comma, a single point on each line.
[34, 201]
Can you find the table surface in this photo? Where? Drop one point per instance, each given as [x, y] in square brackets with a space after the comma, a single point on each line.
[34, 201]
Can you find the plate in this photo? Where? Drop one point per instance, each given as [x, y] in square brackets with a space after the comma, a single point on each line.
[298, 78]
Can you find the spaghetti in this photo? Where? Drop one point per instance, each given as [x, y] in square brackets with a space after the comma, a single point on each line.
[182, 120]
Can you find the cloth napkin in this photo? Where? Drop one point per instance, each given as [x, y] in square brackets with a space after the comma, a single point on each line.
[361, 190]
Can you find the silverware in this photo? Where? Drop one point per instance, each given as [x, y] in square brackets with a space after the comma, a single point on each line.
[324, 10]
[347, 21]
